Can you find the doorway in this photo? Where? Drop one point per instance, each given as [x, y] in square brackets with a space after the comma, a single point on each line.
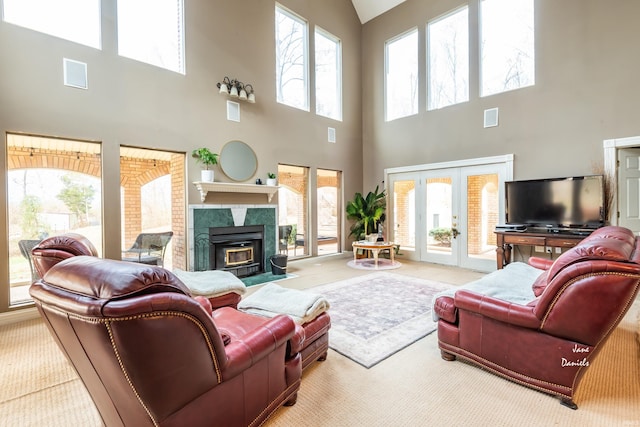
[622, 206]
[447, 213]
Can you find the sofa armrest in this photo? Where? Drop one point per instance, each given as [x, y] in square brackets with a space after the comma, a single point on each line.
[500, 310]
[541, 263]
[445, 309]
[247, 350]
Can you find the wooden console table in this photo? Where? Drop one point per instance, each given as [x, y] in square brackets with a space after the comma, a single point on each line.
[505, 240]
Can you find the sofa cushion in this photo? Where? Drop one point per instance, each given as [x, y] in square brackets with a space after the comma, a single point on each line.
[512, 283]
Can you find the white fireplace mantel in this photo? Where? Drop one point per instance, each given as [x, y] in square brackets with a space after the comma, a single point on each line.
[230, 187]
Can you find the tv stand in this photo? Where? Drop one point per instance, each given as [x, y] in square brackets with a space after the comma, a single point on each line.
[565, 238]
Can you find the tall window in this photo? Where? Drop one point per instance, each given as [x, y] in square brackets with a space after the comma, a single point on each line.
[401, 77]
[153, 199]
[507, 50]
[74, 20]
[54, 187]
[152, 31]
[292, 48]
[448, 60]
[329, 208]
[328, 75]
[293, 208]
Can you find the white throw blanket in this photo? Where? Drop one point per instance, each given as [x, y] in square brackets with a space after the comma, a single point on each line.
[271, 300]
[513, 283]
[211, 283]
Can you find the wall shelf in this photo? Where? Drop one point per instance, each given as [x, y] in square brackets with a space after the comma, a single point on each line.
[230, 187]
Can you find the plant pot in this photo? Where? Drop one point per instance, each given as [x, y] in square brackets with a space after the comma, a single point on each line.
[372, 237]
[206, 175]
[272, 181]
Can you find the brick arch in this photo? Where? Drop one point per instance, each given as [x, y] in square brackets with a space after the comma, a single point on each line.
[142, 171]
[327, 181]
[36, 158]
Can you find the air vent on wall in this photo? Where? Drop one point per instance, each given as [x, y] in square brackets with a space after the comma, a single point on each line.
[233, 111]
[331, 135]
[75, 73]
[491, 117]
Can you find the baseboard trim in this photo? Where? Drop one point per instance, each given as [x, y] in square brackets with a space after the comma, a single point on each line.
[18, 316]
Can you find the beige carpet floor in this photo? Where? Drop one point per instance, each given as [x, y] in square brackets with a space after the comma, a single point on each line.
[414, 387]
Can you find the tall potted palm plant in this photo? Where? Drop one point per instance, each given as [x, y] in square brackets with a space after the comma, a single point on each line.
[367, 212]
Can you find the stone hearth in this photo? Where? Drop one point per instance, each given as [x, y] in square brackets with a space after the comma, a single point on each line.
[204, 217]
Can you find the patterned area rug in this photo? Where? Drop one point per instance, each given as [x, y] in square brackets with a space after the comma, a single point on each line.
[379, 314]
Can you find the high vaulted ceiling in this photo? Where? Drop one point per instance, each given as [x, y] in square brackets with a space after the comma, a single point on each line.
[369, 9]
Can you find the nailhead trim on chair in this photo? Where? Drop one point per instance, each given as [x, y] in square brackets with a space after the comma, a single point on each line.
[107, 323]
[575, 279]
[476, 358]
[126, 374]
[155, 315]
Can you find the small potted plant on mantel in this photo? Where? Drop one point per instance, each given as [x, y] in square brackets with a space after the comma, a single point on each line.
[271, 179]
[207, 158]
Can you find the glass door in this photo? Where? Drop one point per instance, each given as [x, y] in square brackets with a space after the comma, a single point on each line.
[482, 202]
[402, 224]
[441, 219]
[447, 216]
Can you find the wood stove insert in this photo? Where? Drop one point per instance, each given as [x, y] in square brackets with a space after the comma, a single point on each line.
[238, 250]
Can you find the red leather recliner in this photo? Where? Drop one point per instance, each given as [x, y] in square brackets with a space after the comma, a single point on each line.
[549, 343]
[150, 355]
[54, 249]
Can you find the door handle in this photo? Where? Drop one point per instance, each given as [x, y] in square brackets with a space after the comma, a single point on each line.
[454, 232]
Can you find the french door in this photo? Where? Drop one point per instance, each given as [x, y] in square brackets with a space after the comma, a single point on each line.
[448, 215]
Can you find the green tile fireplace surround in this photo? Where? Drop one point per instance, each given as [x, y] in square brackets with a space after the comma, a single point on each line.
[203, 217]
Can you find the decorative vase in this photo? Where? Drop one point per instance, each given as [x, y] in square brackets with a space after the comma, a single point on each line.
[206, 175]
[272, 181]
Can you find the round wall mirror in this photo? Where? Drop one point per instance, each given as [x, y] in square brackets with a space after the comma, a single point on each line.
[238, 161]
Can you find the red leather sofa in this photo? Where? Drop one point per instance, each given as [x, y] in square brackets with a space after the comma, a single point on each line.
[151, 355]
[549, 343]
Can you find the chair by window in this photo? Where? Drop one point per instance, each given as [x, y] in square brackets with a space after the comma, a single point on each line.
[299, 242]
[149, 248]
[25, 249]
[285, 234]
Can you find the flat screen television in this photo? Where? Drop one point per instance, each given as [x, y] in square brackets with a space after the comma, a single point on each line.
[572, 202]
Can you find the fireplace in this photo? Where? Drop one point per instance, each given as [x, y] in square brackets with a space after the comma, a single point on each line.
[238, 250]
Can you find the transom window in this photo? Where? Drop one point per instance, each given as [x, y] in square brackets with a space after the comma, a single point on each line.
[74, 20]
[328, 75]
[448, 60]
[401, 76]
[152, 31]
[292, 48]
[507, 48]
